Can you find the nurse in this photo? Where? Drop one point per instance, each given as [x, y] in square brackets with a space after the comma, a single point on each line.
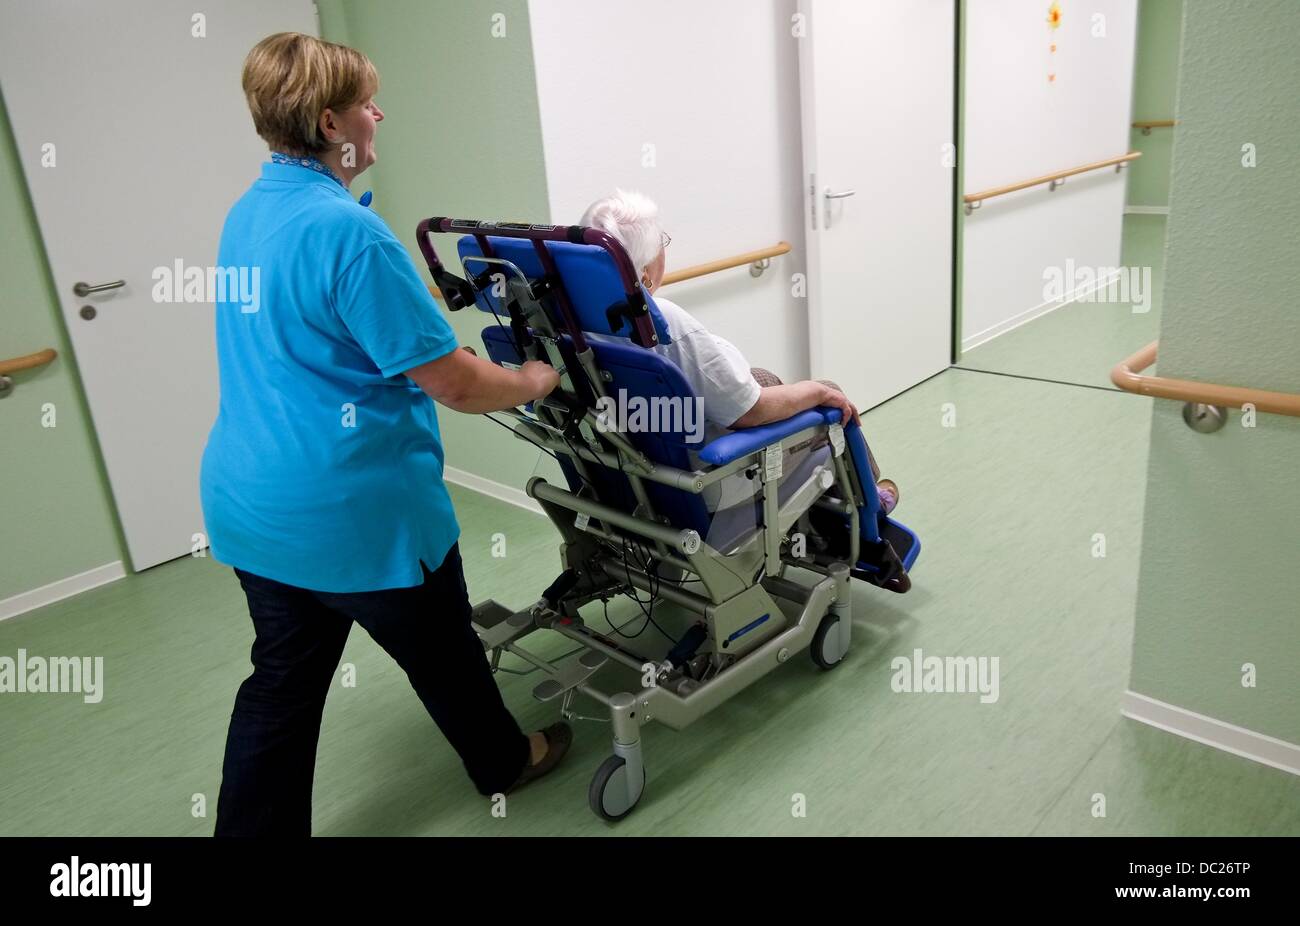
[322, 478]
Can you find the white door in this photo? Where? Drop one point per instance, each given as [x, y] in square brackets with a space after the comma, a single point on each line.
[877, 79]
[135, 140]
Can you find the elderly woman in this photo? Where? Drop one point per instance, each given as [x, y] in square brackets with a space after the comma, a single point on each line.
[735, 395]
[322, 478]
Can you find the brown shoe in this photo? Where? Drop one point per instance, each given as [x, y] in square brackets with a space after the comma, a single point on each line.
[901, 583]
[559, 737]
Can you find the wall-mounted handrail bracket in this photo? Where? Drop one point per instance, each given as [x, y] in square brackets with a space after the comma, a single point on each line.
[1202, 397]
[1205, 419]
[18, 364]
[1146, 125]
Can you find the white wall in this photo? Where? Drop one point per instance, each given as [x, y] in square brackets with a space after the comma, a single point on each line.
[713, 86]
[1019, 125]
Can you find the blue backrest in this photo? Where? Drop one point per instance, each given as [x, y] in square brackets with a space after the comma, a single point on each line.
[586, 270]
[592, 283]
[642, 373]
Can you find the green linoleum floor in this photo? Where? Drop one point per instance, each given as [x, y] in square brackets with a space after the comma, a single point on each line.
[1080, 342]
[1006, 503]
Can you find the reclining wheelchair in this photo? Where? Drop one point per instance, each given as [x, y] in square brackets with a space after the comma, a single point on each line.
[632, 516]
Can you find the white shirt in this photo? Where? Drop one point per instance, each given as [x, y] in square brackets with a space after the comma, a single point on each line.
[719, 374]
[714, 367]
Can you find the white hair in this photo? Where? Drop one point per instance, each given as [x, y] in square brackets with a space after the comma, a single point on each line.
[633, 220]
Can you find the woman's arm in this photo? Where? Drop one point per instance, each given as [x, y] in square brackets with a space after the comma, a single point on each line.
[776, 403]
[468, 384]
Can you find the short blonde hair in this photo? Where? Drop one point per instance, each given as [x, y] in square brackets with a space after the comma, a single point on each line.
[290, 79]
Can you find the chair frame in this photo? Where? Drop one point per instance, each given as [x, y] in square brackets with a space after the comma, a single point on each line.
[754, 616]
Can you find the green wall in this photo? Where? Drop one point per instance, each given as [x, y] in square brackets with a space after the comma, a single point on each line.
[461, 136]
[54, 503]
[1155, 86]
[1219, 586]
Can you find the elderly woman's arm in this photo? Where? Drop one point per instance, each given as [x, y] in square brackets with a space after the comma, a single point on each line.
[776, 403]
[468, 384]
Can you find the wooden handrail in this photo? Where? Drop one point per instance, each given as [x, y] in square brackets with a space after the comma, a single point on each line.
[725, 263]
[28, 362]
[1127, 374]
[1048, 178]
[1148, 124]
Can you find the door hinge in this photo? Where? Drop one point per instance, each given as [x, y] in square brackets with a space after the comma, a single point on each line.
[812, 200]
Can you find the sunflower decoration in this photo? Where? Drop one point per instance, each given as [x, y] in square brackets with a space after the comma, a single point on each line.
[1053, 23]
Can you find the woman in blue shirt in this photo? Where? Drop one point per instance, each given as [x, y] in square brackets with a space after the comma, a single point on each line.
[322, 478]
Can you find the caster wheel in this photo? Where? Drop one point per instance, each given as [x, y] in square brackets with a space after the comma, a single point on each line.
[608, 794]
[825, 643]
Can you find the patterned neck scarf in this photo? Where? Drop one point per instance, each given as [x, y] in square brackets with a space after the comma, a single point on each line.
[309, 163]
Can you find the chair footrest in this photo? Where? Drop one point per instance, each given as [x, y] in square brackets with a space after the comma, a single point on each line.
[899, 538]
[496, 625]
[900, 583]
[570, 675]
[886, 564]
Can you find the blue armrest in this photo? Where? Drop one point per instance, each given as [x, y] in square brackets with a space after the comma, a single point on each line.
[735, 445]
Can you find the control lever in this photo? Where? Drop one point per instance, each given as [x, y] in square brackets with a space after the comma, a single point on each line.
[563, 584]
[684, 649]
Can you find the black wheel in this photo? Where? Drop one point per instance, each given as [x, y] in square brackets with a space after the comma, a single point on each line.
[607, 794]
[819, 651]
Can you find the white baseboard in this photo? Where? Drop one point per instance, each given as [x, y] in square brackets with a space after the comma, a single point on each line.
[505, 493]
[1146, 210]
[1230, 738]
[1038, 311]
[64, 588]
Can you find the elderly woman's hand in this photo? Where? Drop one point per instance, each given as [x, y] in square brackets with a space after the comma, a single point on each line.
[836, 399]
[777, 403]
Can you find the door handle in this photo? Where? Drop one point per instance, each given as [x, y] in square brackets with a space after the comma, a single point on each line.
[85, 289]
[829, 195]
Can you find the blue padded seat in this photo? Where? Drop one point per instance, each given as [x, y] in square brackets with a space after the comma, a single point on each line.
[594, 287]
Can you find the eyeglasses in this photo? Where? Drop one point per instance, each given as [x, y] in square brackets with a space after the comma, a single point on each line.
[664, 240]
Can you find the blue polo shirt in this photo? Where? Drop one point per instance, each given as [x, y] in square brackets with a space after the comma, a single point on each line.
[324, 467]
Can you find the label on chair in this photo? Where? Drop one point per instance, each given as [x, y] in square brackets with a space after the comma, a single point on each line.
[581, 521]
[773, 460]
[837, 438]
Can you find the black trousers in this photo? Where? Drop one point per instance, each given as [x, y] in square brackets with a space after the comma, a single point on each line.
[266, 779]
